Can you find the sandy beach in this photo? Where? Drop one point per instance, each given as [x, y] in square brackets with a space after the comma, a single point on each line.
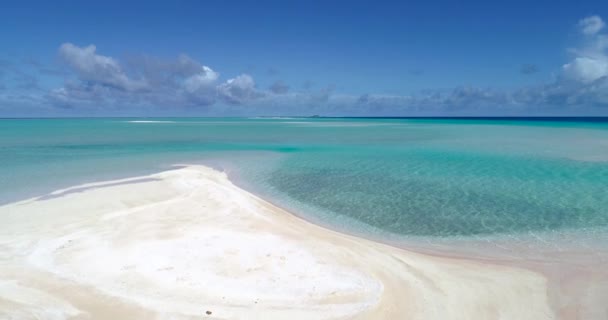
[188, 244]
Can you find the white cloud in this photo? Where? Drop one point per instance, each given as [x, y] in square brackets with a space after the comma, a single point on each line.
[90, 66]
[184, 82]
[591, 25]
[238, 90]
[102, 79]
[591, 60]
[586, 69]
[98, 81]
[201, 80]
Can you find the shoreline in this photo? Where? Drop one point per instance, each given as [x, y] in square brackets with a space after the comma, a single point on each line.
[571, 295]
[286, 265]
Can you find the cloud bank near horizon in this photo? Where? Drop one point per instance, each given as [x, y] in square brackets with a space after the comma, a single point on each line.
[97, 83]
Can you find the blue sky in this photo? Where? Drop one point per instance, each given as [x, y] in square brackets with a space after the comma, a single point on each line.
[70, 58]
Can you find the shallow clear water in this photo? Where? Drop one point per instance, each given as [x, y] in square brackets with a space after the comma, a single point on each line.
[404, 177]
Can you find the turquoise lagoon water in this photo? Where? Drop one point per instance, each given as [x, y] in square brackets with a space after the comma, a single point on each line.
[416, 178]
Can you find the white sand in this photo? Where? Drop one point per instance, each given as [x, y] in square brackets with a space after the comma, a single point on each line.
[179, 243]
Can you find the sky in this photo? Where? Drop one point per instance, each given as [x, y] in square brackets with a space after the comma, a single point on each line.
[331, 58]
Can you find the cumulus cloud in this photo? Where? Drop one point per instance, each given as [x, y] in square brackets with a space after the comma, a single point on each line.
[238, 90]
[99, 69]
[590, 62]
[94, 80]
[586, 69]
[173, 73]
[591, 25]
[581, 85]
[144, 80]
[203, 79]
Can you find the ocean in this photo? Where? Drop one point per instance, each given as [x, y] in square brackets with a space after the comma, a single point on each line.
[539, 180]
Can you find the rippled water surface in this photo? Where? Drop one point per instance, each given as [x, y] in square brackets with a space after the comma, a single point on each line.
[418, 178]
